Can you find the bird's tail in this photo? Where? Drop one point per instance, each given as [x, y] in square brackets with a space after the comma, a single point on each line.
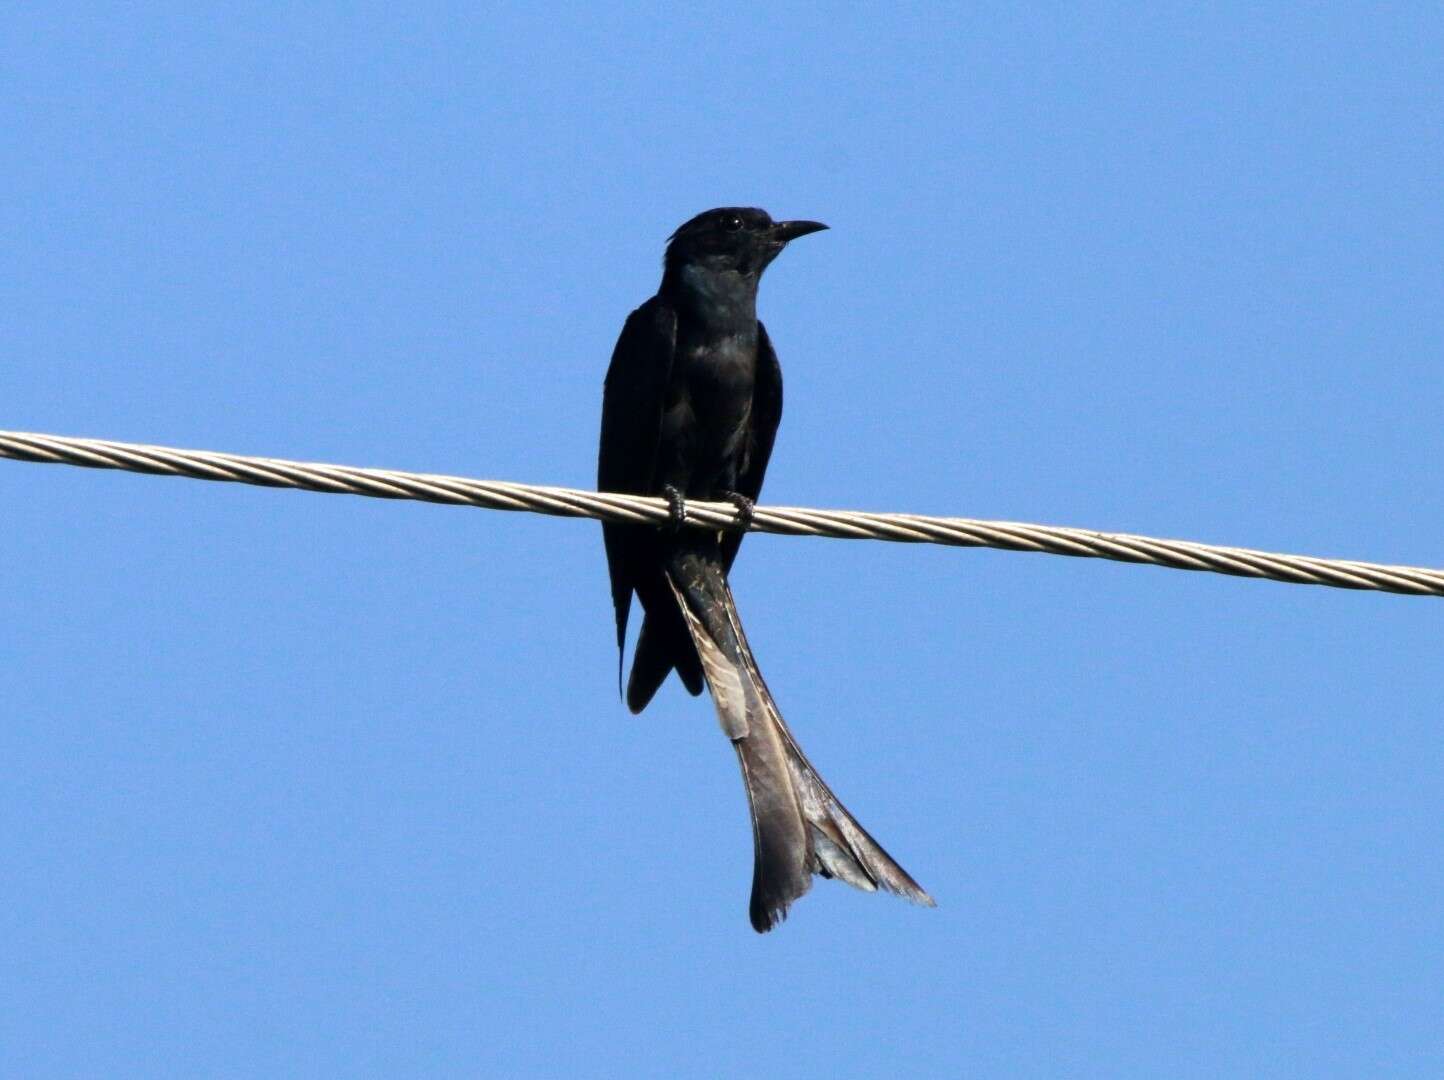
[799, 828]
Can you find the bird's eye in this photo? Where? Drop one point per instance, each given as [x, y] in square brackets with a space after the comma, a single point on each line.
[732, 224]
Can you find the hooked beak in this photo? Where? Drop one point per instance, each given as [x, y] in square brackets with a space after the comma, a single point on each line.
[784, 231]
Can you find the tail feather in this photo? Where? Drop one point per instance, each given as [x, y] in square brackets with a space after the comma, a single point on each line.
[799, 826]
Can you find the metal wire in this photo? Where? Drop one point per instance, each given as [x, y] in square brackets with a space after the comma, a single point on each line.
[793, 521]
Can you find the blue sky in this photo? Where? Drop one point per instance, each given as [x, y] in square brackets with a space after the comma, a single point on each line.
[325, 786]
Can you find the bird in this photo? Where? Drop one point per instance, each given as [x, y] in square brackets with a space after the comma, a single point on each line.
[690, 410]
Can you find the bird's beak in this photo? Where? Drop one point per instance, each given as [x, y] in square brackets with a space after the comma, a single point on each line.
[784, 231]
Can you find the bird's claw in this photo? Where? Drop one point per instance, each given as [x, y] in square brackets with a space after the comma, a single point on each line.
[676, 507]
[746, 508]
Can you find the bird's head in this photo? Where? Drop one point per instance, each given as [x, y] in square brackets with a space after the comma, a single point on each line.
[733, 240]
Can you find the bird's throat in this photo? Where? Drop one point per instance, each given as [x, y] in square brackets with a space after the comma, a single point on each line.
[722, 301]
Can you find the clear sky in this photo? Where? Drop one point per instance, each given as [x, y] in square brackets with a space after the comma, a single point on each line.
[301, 785]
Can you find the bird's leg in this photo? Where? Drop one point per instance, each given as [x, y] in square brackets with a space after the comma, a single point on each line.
[745, 508]
[676, 507]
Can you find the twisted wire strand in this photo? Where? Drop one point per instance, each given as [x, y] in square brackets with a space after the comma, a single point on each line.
[785, 520]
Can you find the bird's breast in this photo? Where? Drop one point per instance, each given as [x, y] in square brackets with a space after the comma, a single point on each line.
[720, 375]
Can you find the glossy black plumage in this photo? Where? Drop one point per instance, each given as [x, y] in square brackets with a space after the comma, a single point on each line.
[692, 402]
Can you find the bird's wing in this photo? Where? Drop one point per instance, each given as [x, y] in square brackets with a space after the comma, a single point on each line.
[766, 416]
[632, 402]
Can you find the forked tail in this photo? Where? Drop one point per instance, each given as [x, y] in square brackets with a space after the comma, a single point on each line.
[799, 828]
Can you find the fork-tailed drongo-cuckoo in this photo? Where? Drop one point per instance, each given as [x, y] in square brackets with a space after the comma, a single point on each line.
[692, 402]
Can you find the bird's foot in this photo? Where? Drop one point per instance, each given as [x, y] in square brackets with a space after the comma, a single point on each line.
[676, 507]
[746, 508]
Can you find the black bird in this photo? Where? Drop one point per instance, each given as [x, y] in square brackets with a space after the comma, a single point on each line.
[692, 402]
